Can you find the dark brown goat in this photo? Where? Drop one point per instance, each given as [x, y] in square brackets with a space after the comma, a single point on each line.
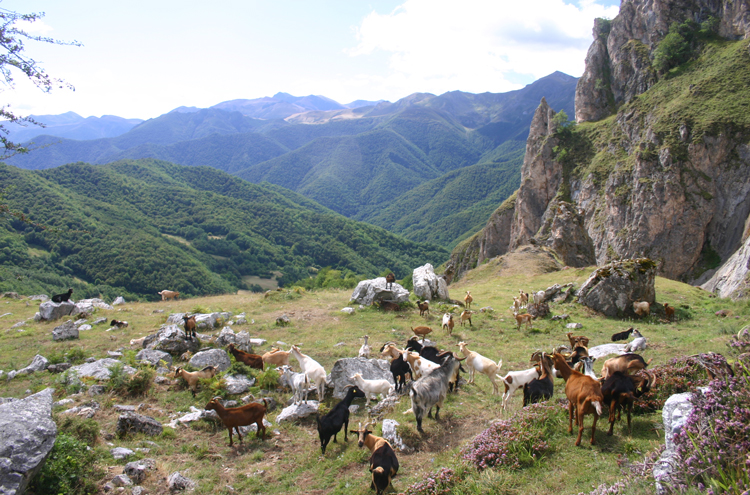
[389, 306]
[252, 360]
[424, 307]
[234, 417]
[190, 327]
[620, 391]
[389, 280]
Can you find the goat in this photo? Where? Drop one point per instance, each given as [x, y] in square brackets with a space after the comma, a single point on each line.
[234, 417]
[588, 366]
[538, 297]
[421, 331]
[431, 389]
[168, 294]
[622, 335]
[276, 357]
[298, 382]
[192, 378]
[514, 380]
[372, 387]
[467, 300]
[118, 324]
[419, 366]
[330, 424]
[669, 311]
[539, 389]
[389, 306]
[383, 460]
[642, 308]
[364, 351]
[252, 360]
[584, 396]
[465, 315]
[314, 371]
[58, 298]
[424, 307]
[389, 279]
[523, 298]
[516, 305]
[190, 327]
[625, 363]
[448, 322]
[620, 391]
[521, 319]
[477, 362]
[637, 344]
[577, 341]
[399, 367]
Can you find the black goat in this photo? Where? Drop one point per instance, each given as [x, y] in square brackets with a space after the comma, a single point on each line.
[399, 368]
[389, 279]
[622, 335]
[431, 389]
[383, 461]
[58, 298]
[620, 391]
[539, 389]
[330, 424]
[436, 356]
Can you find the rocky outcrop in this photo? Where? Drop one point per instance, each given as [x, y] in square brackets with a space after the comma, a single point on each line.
[99, 369]
[50, 311]
[211, 357]
[130, 422]
[612, 289]
[171, 339]
[563, 230]
[675, 414]
[153, 357]
[371, 369]
[429, 286]
[66, 331]
[731, 279]
[28, 434]
[240, 340]
[368, 291]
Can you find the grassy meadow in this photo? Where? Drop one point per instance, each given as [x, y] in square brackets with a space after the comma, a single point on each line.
[291, 460]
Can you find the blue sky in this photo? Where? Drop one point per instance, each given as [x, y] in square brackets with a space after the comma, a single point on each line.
[141, 59]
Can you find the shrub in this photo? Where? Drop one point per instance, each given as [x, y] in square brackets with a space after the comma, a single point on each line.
[677, 47]
[268, 379]
[122, 383]
[70, 382]
[683, 374]
[85, 430]
[70, 468]
[238, 368]
[440, 482]
[75, 355]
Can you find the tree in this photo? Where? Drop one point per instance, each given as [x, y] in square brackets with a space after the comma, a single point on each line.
[13, 58]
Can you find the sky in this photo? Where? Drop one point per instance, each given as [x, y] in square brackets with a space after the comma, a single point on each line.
[141, 59]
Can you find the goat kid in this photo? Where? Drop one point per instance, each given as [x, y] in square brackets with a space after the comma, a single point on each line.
[521, 319]
[467, 300]
[299, 383]
[448, 322]
[424, 307]
[364, 351]
[372, 387]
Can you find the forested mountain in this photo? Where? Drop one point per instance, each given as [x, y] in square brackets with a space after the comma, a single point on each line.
[138, 227]
[70, 125]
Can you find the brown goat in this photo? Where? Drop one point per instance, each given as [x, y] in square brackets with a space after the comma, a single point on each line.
[389, 306]
[584, 396]
[626, 363]
[424, 307]
[521, 319]
[389, 280]
[252, 360]
[276, 357]
[192, 377]
[669, 311]
[168, 294]
[465, 315]
[468, 299]
[234, 417]
[577, 341]
[620, 391]
[190, 327]
[421, 331]
[383, 461]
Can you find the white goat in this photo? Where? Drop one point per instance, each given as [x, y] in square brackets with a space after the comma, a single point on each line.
[477, 362]
[637, 344]
[538, 298]
[517, 379]
[364, 351]
[299, 382]
[419, 366]
[587, 363]
[314, 371]
[372, 387]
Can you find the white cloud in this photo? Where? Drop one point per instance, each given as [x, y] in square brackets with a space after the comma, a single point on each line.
[478, 45]
[36, 28]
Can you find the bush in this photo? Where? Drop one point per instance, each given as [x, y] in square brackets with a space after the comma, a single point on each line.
[238, 368]
[268, 379]
[683, 374]
[122, 383]
[85, 430]
[75, 355]
[70, 468]
[438, 483]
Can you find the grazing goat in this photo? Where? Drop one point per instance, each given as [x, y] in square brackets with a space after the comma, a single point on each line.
[58, 298]
[625, 363]
[276, 357]
[669, 311]
[399, 367]
[424, 307]
[584, 396]
[168, 294]
[314, 371]
[372, 387]
[364, 351]
[192, 378]
[389, 279]
[637, 344]
[465, 315]
[620, 391]
[190, 327]
[234, 417]
[298, 382]
[477, 362]
[467, 300]
[252, 360]
[330, 424]
[383, 461]
[118, 324]
[448, 322]
[642, 308]
[521, 319]
[622, 335]
[421, 331]
[539, 389]
[431, 389]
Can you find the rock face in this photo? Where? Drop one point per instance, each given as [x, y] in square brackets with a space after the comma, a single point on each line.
[238, 384]
[368, 291]
[66, 331]
[54, 311]
[171, 339]
[429, 286]
[28, 434]
[298, 411]
[38, 363]
[212, 357]
[613, 288]
[343, 369]
[130, 422]
[731, 279]
[90, 305]
[153, 357]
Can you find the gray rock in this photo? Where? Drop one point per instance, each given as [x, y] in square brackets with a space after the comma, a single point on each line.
[38, 363]
[64, 402]
[153, 357]
[171, 339]
[212, 357]
[90, 360]
[78, 323]
[208, 321]
[253, 428]
[138, 490]
[84, 328]
[130, 422]
[560, 317]
[11, 375]
[90, 305]
[283, 320]
[54, 311]
[178, 482]
[573, 326]
[99, 369]
[353, 409]
[385, 406]
[39, 297]
[674, 415]
[298, 411]
[612, 289]
[238, 384]
[392, 436]
[119, 300]
[429, 286]
[369, 291]
[122, 480]
[343, 369]
[67, 330]
[19, 324]
[28, 434]
[600, 351]
[138, 470]
[120, 407]
[162, 380]
[99, 321]
[97, 390]
[114, 354]
[121, 452]
[240, 340]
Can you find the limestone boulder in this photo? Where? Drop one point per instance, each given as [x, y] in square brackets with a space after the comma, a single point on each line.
[368, 291]
[88, 306]
[50, 311]
[171, 339]
[240, 340]
[153, 357]
[177, 482]
[344, 369]
[27, 434]
[138, 470]
[429, 286]
[238, 384]
[130, 422]
[675, 414]
[211, 357]
[613, 288]
[119, 300]
[67, 331]
[298, 411]
[99, 369]
[38, 363]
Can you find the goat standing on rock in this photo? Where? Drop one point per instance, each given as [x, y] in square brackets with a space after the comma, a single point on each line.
[58, 298]
[389, 280]
[190, 327]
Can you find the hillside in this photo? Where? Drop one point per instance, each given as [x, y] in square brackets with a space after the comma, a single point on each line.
[143, 226]
[70, 125]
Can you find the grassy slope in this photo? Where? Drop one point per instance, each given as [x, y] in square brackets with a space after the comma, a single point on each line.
[291, 460]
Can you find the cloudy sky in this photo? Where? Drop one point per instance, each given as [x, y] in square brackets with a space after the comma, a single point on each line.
[141, 59]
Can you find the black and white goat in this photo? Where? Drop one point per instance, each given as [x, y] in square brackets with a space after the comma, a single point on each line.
[542, 388]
